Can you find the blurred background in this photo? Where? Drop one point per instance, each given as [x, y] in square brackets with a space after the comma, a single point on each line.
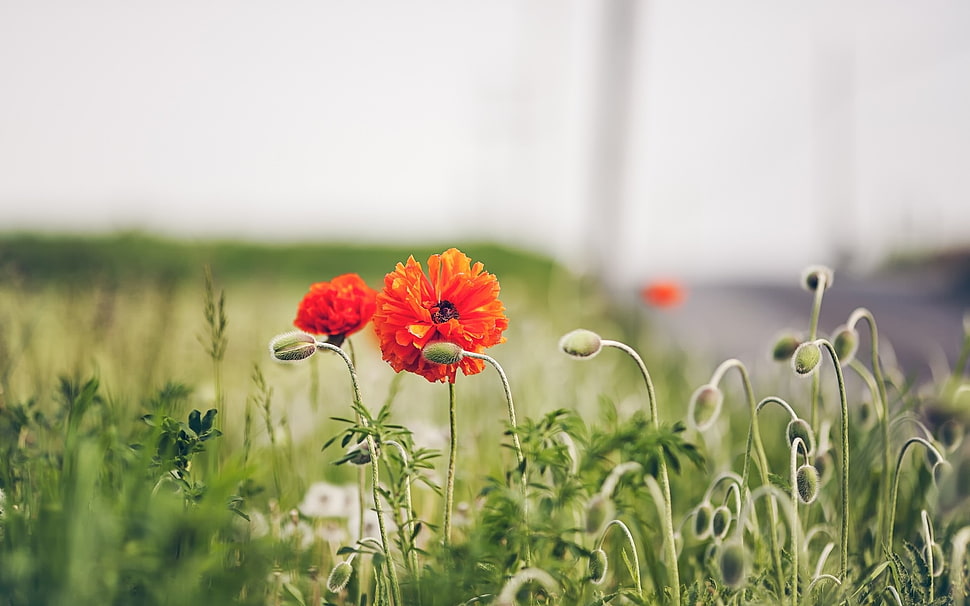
[707, 141]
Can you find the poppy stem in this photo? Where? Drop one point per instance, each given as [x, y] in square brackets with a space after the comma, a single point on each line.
[375, 471]
[668, 521]
[508, 399]
[452, 456]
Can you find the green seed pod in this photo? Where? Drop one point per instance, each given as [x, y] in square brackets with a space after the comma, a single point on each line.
[799, 428]
[442, 352]
[806, 483]
[845, 341]
[702, 520]
[704, 406]
[339, 577]
[731, 563]
[814, 275]
[597, 564]
[721, 522]
[599, 511]
[581, 343]
[806, 359]
[292, 346]
[785, 347]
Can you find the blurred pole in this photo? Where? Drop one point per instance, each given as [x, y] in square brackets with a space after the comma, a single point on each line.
[612, 87]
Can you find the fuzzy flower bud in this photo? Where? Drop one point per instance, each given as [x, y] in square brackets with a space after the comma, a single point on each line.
[597, 565]
[721, 522]
[814, 275]
[806, 358]
[442, 352]
[785, 347]
[951, 434]
[704, 406]
[339, 577]
[799, 428]
[702, 520]
[291, 346]
[581, 343]
[845, 341]
[806, 483]
[731, 564]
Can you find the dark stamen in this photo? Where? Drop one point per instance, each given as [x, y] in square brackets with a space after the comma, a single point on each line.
[443, 311]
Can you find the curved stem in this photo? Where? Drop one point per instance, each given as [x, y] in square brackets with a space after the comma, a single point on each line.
[864, 314]
[633, 548]
[844, 555]
[796, 444]
[452, 456]
[895, 489]
[812, 334]
[668, 521]
[375, 470]
[958, 553]
[508, 399]
[407, 534]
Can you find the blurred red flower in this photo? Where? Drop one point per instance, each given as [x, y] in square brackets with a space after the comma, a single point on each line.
[455, 302]
[663, 293]
[336, 308]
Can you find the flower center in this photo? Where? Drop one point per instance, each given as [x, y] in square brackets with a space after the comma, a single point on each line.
[443, 311]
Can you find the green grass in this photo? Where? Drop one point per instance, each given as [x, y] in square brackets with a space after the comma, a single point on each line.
[116, 493]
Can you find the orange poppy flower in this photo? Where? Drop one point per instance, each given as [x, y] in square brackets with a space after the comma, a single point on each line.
[336, 308]
[663, 293]
[455, 302]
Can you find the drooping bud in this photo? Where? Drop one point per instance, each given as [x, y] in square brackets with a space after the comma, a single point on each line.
[731, 563]
[581, 343]
[806, 483]
[814, 275]
[951, 434]
[799, 428]
[442, 352]
[702, 520]
[704, 406]
[806, 358]
[359, 454]
[597, 565]
[785, 347]
[599, 511]
[845, 341]
[339, 577]
[292, 346]
[721, 522]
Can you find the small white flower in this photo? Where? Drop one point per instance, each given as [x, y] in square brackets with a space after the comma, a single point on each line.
[325, 500]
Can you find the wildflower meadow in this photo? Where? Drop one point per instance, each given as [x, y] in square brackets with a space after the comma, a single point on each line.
[221, 423]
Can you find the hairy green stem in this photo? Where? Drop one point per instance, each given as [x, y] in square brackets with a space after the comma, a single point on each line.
[375, 473]
[844, 555]
[895, 489]
[508, 399]
[633, 548]
[452, 455]
[668, 521]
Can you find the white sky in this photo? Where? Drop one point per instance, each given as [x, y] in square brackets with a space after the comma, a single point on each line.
[761, 136]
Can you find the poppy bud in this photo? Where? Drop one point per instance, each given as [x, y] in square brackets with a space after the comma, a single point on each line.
[845, 341]
[702, 520]
[291, 346]
[799, 428]
[806, 483]
[704, 406]
[785, 347]
[339, 577]
[814, 275]
[731, 564]
[581, 343]
[721, 522]
[806, 358]
[597, 565]
[442, 352]
[951, 434]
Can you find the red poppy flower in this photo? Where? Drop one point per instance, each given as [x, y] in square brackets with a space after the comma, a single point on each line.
[663, 293]
[336, 308]
[455, 302]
